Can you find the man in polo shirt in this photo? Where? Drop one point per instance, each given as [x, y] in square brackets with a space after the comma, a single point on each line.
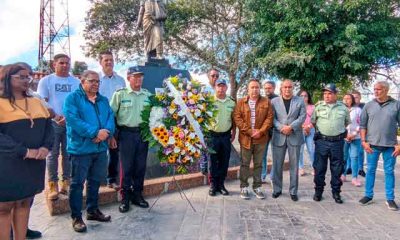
[223, 133]
[110, 82]
[127, 105]
[380, 120]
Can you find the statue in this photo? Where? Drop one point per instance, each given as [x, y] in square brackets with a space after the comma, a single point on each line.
[152, 15]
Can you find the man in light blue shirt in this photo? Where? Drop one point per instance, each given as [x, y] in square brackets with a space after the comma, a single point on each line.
[54, 89]
[110, 82]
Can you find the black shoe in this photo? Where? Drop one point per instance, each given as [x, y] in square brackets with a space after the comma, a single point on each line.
[97, 215]
[276, 195]
[365, 201]
[317, 197]
[32, 234]
[78, 225]
[337, 198]
[212, 192]
[294, 198]
[391, 204]
[223, 190]
[139, 201]
[361, 173]
[124, 207]
[348, 172]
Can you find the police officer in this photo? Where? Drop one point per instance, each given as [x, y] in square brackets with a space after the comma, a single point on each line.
[127, 105]
[330, 119]
[222, 134]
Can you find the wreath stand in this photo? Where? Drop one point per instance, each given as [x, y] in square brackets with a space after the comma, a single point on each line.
[180, 190]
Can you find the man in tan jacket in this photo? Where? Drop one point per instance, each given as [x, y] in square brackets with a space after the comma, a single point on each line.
[253, 116]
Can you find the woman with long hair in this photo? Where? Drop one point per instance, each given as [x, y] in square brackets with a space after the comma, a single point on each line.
[25, 137]
[308, 131]
[352, 143]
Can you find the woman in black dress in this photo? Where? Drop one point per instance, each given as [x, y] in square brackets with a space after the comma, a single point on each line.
[25, 137]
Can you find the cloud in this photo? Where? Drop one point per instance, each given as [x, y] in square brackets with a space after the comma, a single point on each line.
[19, 25]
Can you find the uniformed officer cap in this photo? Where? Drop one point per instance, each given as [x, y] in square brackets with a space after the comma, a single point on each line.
[220, 81]
[330, 87]
[134, 71]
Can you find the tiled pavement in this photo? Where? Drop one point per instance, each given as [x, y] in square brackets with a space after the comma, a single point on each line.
[233, 218]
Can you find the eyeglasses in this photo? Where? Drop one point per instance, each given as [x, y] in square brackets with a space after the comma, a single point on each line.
[214, 75]
[304, 96]
[22, 77]
[93, 81]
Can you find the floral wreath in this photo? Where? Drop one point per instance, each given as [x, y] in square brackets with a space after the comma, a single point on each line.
[176, 123]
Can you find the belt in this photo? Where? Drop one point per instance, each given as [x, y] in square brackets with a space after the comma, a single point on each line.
[332, 138]
[220, 134]
[129, 129]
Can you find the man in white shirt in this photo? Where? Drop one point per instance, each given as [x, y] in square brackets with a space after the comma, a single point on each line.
[110, 82]
[54, 88]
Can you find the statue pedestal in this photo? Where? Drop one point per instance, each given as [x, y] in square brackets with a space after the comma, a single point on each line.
[156, 70]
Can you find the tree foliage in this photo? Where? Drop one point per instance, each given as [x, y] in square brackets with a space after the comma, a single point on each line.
[79, 67]
[322, 41]
[198, 33]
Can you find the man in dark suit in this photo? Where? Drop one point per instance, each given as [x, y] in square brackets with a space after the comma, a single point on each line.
[289, 116]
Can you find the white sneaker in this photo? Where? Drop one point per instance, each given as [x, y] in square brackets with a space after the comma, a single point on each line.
[259, 193]
[244, 193]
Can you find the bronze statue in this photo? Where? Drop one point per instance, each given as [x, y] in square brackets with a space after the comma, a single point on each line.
[152, 15]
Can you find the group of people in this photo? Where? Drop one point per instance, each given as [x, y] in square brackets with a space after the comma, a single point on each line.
[93, 122]
[334, 132]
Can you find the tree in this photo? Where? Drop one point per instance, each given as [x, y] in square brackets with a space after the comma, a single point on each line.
[204, 34]
[322, 41]
[79, 68]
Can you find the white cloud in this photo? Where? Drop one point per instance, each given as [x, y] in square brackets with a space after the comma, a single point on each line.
[19, 25]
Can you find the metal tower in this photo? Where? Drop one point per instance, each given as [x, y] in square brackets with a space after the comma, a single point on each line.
[54, 32]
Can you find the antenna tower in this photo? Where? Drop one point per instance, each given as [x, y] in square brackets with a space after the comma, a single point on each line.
[54, 32]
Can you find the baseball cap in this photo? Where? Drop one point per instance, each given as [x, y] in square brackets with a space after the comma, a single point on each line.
[134, 71]
[220, 81]
[330, 87]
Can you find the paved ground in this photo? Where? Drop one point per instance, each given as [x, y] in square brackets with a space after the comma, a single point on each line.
[233, 218]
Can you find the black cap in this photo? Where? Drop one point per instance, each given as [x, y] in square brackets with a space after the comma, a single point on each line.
[134, 71]
[330, 87]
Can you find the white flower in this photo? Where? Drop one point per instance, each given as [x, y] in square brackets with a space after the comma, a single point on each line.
[209, 113]
[197, 113]
[177, 149]
[156, 117]
[200, 106]
[192, 135]
[171, 110]
[171, 140]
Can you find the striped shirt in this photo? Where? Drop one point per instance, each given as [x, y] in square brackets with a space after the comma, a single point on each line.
[252, 105]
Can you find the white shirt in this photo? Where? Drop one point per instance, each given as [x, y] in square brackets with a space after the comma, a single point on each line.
[56, 89]
[252, 105]
[109, 85]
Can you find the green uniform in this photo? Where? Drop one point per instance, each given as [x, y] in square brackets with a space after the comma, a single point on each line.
[128, 106]
[331, 119]
[224, 116]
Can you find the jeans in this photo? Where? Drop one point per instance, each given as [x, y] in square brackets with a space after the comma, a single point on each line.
[389, 163]
[309, 142]
[350, 153]
[264, 169]
[60, 143]
[334, 151]
[255, 152]
[361, 156]
[91, 168]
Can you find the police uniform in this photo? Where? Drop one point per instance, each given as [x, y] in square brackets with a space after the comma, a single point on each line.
[330, 121]
[127, 106]
[221, 144]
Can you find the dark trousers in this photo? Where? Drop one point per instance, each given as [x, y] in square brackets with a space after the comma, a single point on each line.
[220, 160]
[334, 151]
[113, 162]
[133, 155]
[92, 169]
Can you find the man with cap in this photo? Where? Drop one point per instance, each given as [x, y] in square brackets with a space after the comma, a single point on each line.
[330, 119]
[222, 134]
[127, 104]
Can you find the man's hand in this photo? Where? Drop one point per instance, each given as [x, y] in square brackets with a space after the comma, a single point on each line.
[306, 130]
[367, 147]
[286, 130]
[396, 150]
[42, 153]
[112, 143]
[60, 120]
[256, 134]
[31, 153]
[103, 134]
[96, 140]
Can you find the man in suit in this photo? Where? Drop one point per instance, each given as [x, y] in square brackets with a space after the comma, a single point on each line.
[289, 116]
